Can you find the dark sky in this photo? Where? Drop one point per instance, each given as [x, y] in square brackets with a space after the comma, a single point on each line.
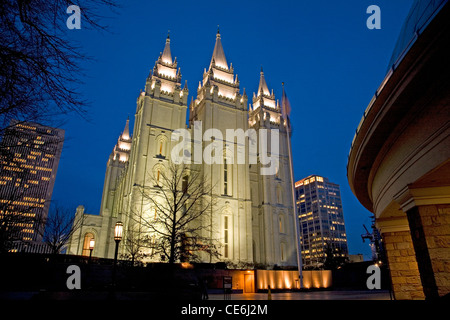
[330, 62]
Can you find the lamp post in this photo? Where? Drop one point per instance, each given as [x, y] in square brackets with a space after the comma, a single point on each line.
[118, 232]
[91, 248]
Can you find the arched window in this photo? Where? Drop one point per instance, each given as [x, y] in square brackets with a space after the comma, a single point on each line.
[226, 237]
[87, 238]
[281, 223]
[227, 173]
[279, 195]
[161, 146]
[225, 176]
[158, 174]
[283, 251]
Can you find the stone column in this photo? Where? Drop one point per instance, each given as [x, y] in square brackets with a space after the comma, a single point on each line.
[430, 230]
[405, 276]
[428, 213]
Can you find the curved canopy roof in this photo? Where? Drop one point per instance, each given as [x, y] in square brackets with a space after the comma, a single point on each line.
[420, 15]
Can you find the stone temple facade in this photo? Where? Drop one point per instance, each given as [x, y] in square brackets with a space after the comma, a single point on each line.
[253, 218]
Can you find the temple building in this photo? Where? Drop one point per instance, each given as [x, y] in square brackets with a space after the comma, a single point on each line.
[253, 219]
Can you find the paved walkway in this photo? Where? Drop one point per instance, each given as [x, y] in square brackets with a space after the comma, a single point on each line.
[311, 295]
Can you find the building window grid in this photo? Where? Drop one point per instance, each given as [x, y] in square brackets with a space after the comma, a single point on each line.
[327, 215]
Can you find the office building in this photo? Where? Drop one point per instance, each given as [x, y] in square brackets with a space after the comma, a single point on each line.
[321, 221]
[29, 157]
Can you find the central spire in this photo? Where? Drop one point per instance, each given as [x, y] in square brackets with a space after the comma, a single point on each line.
[219, 82]
[166, 55]
[218, 56]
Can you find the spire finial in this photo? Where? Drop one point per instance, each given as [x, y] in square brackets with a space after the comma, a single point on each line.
[218, 32]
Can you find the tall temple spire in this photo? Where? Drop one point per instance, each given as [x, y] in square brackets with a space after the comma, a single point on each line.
[126, 130]
[122, 149]
[219, 81]
[264, 100]
[165, 76]
[263, 85]
[166, 55]
[218, 54]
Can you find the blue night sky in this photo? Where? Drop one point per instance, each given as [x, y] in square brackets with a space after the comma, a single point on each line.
[330, 62]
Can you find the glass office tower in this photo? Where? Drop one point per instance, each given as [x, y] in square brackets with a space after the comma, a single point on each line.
[321, 221]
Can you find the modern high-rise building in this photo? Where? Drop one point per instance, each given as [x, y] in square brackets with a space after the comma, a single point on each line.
[253, 219]
[29, 160]
[321, 220]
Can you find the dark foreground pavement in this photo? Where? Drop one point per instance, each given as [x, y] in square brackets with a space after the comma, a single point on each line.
[304, 295]
[311, 295]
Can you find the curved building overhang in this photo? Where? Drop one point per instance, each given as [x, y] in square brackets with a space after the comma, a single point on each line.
[418, 82]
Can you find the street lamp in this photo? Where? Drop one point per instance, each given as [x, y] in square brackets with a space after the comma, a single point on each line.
[118, 233]
[91, 247]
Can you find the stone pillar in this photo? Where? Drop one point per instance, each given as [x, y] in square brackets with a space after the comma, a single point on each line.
[430, 230]
[403, 266]
[428, 212]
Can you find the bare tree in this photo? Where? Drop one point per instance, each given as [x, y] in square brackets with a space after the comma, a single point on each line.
[134, 246]
[39, 80]
[39, 63]
[60, 225]
[178, 222]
